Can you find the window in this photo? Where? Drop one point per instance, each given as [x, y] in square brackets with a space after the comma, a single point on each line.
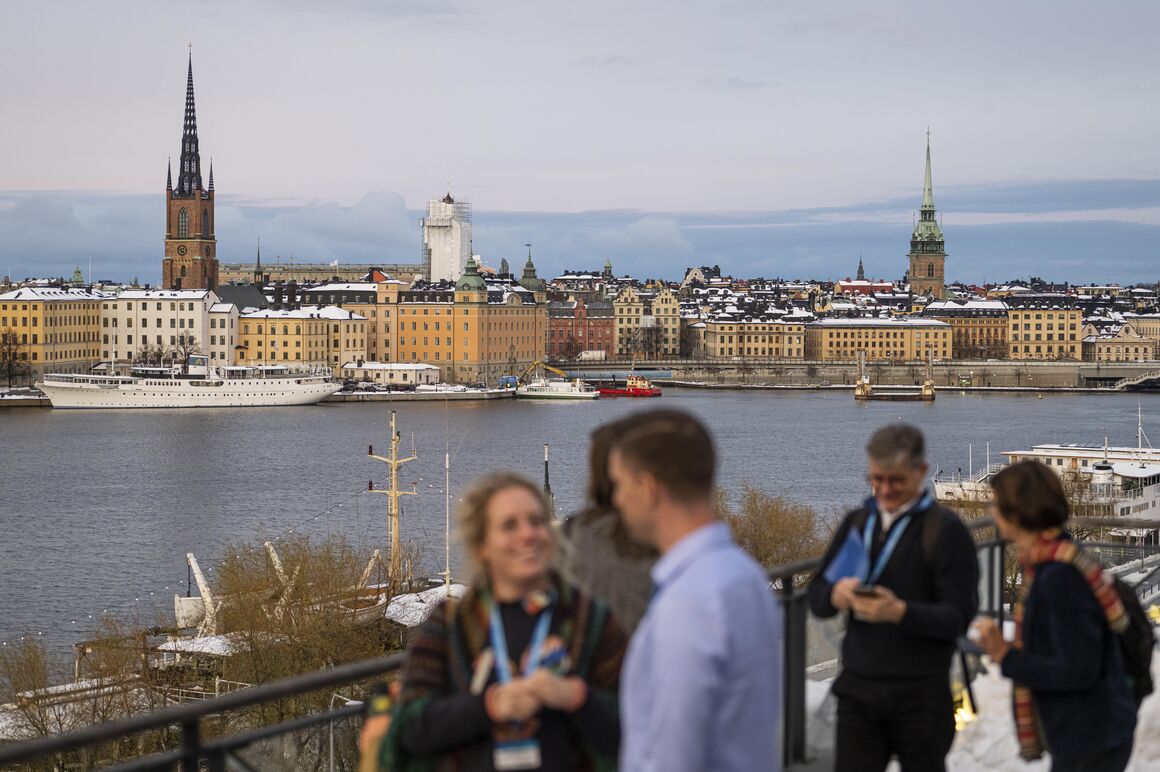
[183, 224]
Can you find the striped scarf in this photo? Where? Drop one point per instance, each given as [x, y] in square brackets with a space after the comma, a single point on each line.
[1027, 727]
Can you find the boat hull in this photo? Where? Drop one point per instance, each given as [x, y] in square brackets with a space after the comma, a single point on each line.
[621, 392]
[898, 397]
[270, 392]
[557, 395]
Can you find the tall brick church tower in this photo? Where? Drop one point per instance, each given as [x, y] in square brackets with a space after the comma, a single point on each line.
[190, 260]
[928, 254]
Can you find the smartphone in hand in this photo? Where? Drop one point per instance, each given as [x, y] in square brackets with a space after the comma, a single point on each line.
[866, 590]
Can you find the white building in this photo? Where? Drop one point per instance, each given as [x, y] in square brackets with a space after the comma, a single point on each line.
[446, 238]
[170, 322]
[392, 373]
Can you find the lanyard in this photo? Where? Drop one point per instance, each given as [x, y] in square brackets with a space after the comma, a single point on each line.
[499, 643]
[876, 569]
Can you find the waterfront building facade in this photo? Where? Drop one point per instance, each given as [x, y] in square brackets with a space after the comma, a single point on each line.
[749, 338]
[647, 324]
[1121, 343]
[883, 340]
[927, 272]
[978, 327]
[1044, 328]
[190, 260]
[149, 326]
[314, 273]
[301, 338]
[52, 329]
[392, 373]
[474, 330]
[575, 326]
[446, 239]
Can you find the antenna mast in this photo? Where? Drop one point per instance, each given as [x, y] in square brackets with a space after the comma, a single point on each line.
[393, 493]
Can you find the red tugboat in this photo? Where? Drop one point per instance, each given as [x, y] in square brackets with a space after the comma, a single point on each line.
[634, 386]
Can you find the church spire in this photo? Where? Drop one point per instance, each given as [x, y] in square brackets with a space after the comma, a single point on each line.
[211, 175]
[927, 187]
[189, 170]
[169, 175]
[861, 271]
[258, 265]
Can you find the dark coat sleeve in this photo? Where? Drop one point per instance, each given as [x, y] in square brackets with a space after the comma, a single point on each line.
[598, 720]
[1073, 657]
[819, 589]
[441, 719]
[956, 582]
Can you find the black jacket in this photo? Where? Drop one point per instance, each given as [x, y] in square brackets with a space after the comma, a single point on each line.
[941, 600]
[1072, 663]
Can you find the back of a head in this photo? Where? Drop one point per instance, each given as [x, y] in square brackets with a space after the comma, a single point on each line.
[1031, 495]
[897, 444]
[672, 446]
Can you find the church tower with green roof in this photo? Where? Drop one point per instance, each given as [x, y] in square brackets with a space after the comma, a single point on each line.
[927, 251]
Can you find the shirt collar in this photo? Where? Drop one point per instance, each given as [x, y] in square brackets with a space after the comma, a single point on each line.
[685, 551]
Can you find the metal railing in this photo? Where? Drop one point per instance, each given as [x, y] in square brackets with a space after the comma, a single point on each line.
[789, 580]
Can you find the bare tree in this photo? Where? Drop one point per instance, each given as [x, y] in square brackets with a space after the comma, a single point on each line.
[185, 345]
[13, 357]
[149, 356]
[774, 529]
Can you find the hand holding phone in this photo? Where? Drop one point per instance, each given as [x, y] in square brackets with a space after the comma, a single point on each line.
[866, 590]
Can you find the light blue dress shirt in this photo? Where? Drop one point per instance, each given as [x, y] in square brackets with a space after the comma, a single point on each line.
[702, 683]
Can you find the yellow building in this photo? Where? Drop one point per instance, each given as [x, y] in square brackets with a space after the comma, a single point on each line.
[754, 338]
[1122, 344]
[52, 329]
[306, 337]
[1044, 330]
[978, 327]
[374, 300]
[476, 331]
[646, 325]
[883, 340]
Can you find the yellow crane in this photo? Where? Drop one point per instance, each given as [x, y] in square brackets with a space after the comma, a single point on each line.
[538, 364]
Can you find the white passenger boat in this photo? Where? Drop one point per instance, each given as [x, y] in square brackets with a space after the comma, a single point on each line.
[196, 385]
[552, 388]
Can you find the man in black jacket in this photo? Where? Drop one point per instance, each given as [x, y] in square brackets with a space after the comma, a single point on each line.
[905, 570]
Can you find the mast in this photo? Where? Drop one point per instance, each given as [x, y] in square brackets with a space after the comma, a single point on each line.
[447, 523]
[393, 493]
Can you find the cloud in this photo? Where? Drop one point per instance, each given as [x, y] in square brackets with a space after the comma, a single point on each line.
[734, 84]
[1101, 230]
[607, 60]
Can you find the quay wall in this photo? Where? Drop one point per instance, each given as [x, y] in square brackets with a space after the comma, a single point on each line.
[978, 374]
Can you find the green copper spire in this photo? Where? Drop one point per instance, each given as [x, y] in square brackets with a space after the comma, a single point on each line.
[927, 236]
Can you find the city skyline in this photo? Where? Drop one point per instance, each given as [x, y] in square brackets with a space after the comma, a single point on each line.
[746, 156]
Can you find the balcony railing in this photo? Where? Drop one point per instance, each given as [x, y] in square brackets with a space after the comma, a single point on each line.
[789, 581]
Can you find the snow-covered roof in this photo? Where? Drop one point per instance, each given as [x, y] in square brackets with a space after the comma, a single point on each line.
[359, 286]
[868, 321]
[988, 305]
[53, 294]
[305, 312]
[411, 610]
[213, 645]
[221, 308]
[398, 366]
[163, 294]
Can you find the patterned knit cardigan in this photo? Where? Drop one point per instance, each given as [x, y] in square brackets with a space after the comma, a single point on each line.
[441, 655]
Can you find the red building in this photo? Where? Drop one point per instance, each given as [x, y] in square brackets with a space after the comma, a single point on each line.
[575, 326]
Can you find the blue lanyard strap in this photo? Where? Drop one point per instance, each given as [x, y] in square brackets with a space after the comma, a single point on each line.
[499, 643]
[875, 569]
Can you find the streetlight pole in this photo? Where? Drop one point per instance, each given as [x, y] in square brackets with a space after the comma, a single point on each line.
[393, 493]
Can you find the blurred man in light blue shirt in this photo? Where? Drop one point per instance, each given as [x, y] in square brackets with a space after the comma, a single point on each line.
[702, 683]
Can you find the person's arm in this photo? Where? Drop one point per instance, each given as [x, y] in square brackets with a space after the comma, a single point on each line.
[690, 637]
[598, 718]
[820, 591]
[446, 720]
[1075, 629]
[956, 577]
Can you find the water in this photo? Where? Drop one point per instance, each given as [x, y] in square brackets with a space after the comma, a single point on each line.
[98, 508]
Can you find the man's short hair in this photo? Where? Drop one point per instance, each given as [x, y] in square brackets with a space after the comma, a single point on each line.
[672, 446]
[897, 444]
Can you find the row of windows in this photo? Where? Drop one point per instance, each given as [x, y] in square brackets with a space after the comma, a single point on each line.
[182, 323]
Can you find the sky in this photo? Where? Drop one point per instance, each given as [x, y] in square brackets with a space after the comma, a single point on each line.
[772, 139]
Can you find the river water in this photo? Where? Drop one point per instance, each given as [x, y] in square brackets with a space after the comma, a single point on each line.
[98, 508]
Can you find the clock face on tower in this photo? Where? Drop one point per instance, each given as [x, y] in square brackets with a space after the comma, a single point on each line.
[181, 249]
[207, 250]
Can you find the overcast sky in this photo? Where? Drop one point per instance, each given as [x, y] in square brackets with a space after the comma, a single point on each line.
[776, 139]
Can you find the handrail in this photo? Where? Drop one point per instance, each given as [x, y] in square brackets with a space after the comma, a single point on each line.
[190, 714]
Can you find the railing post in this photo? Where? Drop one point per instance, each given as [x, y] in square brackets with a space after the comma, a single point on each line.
[190, 745]
[794, 679]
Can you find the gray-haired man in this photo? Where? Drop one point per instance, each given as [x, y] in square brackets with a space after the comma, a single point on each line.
[905, 570]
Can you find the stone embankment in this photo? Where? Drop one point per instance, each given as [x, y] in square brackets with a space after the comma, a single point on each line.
[999, 375]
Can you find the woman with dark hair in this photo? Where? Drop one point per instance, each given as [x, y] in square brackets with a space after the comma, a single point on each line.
[1071, 695]
[523, 672]
[597, 552]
